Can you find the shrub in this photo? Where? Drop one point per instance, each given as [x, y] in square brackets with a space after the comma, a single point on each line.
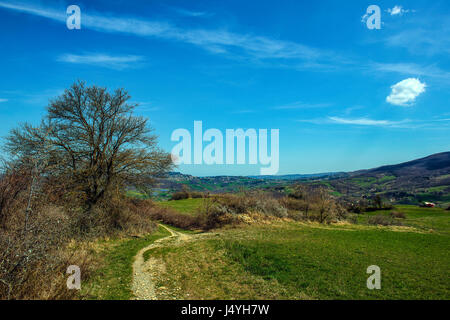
[397, 214]
[357, 207]
[270, 207]
[179, 195]
[352, 218]
[169, 216]
[382, 220]
[291, 203]
[33, 262]
[13, 184]
[238, 204]
[257, 202]
[214, 215]
[300, 192]
[196, 195]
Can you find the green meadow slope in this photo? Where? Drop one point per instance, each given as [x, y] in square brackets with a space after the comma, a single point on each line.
[292, 260]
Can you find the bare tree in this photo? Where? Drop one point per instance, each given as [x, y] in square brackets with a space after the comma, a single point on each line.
[93, 142]
[325, 205]
[304, 194]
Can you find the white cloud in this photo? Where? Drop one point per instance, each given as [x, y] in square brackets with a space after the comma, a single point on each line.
[362, 121]
[397, 10]
[103, 60]
[3, 100]
[405, 92]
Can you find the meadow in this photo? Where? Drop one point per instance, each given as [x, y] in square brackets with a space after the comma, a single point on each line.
[284, 259]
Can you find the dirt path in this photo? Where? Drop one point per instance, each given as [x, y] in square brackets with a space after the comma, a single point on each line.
[145, 271]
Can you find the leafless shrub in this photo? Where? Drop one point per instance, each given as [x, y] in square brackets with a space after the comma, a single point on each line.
[180, 195]
[196, 195]
[32, 261]
[13, 183]
[382, 220]
[398, 214]
[215, 214]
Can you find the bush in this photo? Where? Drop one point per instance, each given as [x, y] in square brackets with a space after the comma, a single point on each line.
[35, 244]
[270, 207]
[353, 218]
[258, 202]
[180, 195]
[196, 195]
[300, 192]
[382, 220]
[397, 214]
[214, 215]
[118, 216]
[169, 216]
[291, 203]
[13, 184]
[358, 207]
[33, 262]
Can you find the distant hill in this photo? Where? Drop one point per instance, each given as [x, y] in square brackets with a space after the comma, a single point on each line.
[438, 163]
[302, 176]
[425, 179]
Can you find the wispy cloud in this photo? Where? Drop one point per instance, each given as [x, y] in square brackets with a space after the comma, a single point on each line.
[3, 100]
[411, 69]
[362, 121]
[302, 105]
[146, 106]
[40, 98]
[368, 122]
[427, 37]
[215, 41]
[354, 121]
[243, 111]
[103, 60]
[190, 13]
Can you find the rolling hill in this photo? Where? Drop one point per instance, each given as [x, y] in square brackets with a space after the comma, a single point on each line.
[425, 179]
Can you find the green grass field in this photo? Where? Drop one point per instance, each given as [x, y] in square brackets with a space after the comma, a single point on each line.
[187, 206]
[435, 219]
[290, 260]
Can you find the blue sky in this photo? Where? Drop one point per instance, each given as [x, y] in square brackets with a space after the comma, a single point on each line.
[342, 96]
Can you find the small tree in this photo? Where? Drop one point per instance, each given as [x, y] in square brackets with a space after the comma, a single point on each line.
[94, 143]
[378, 201]
[303, 194]
[325, 206]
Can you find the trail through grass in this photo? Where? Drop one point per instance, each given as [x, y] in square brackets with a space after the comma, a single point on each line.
[113, 280]
[309, 261]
